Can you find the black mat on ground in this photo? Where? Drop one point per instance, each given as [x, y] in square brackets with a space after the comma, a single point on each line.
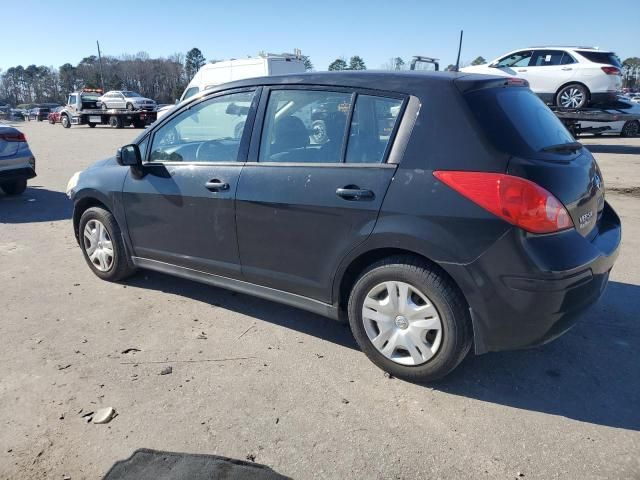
[147, 464]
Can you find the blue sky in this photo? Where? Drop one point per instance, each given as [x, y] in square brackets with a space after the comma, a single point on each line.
[55, 32]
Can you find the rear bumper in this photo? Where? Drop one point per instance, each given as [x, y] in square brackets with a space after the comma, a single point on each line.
[604, 97]
[529, 289]
[17, 174]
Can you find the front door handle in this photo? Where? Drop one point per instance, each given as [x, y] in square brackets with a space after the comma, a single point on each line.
[524, 70]
[567, 68]
[216, 185]
[352, 192]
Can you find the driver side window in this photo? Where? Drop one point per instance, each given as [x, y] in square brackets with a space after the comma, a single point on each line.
[207, 132]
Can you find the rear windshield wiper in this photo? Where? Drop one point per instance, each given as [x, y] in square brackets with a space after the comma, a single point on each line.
[563, 147]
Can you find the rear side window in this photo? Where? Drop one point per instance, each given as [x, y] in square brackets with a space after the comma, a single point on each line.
[516, 120]
[305, 126]
[373, 121]
[608, 58]
[546, 58]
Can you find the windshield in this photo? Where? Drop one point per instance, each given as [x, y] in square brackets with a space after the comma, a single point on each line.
[131, 94]
[517, 121]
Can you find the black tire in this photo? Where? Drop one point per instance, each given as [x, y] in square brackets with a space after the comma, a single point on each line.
[92, 125]
[573, 90]
[15, 187]
[115, 121]
[130, 107]
[51, 121]
[138, 124]
[448, 301]
[66, 122]
[120, 268]
[631, 129]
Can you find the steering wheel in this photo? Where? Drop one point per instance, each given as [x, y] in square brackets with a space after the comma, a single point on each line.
[208, 145]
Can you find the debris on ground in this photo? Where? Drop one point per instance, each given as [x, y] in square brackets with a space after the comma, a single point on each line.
[345, 401]
[131, 350]
[251, 457]
[104, 415]
[202, 336]
[166, 370]
[63, 367]
[388, 375]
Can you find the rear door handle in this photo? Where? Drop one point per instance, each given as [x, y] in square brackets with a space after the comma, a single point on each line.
[567, 68]
[524, 70]
[216, 185]
[352, 192]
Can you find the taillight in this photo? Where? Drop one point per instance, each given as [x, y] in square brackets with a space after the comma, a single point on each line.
[13, 137]
[514, 199]
[611, 70]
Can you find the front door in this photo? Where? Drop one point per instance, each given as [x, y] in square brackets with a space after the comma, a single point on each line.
[314, 186]
[182, 211]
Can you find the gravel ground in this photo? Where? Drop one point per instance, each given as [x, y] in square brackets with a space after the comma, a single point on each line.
[256, 379]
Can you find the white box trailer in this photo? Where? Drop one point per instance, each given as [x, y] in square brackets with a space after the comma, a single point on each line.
[213, 74]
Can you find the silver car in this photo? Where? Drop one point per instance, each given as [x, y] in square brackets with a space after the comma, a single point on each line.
[122, 99]
[17, 163]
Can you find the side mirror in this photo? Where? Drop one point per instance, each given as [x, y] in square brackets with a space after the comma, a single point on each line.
[129, 156]
[493, 65]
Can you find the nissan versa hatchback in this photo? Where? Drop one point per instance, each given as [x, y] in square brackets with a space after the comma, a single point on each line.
[436, 211]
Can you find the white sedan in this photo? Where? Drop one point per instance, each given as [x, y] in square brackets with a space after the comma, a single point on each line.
[624, 128]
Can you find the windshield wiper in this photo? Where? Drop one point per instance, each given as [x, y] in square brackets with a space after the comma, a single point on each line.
[563, 147]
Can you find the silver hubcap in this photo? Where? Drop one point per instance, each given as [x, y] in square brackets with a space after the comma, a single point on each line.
[97, 244]
[402, 323]
[571, 98]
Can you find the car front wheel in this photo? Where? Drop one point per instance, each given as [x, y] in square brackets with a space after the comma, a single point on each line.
[631, 129]
[102, 245]
[409, 319]
[572, 96]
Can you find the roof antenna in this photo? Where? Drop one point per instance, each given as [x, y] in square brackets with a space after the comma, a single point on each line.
[459, 50]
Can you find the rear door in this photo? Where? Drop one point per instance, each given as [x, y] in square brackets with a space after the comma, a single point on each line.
[182, 210]
[313, 185]
[548, 70]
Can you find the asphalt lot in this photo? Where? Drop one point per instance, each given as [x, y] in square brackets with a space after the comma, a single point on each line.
[304, 400]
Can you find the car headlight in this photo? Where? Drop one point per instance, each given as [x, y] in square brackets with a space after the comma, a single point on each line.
[72, 183]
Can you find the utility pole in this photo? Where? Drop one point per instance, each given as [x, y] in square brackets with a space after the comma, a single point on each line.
[100, 61]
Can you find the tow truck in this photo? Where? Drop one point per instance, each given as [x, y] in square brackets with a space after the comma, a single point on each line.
[603, 114]
[82, 109]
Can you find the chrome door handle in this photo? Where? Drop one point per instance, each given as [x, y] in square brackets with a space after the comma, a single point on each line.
[216, 185]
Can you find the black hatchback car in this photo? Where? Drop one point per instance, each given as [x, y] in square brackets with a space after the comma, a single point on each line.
[439, 211]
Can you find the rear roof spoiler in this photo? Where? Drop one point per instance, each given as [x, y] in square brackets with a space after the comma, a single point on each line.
[469, 83]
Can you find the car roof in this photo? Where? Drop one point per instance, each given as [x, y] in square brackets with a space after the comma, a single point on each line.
[402, 82]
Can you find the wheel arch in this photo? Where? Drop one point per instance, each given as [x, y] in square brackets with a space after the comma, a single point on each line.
[352, 270]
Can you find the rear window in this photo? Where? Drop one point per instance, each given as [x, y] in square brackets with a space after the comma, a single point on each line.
[608, 58]
[516, 120]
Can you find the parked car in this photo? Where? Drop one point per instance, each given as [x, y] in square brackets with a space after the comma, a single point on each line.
[125, 99]
[17, 163]
[38, 113]
[478, 220]
[54, 115]
[624, 128]
[570, 77]
[635, 97]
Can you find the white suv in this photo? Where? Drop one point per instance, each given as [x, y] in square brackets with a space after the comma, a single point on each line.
[570, 77]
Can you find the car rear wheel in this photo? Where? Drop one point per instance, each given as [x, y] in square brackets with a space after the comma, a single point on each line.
[102, 245]
[92, 125]
[631, 129]
[409, 319]
[15, 187]
[66, 123]
[572, 96]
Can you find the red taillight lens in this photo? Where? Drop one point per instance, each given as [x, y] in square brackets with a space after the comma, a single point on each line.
[13, 137]
[611, 70]
[514, 199]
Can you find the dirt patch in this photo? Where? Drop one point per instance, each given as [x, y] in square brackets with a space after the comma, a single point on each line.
[628, 191]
